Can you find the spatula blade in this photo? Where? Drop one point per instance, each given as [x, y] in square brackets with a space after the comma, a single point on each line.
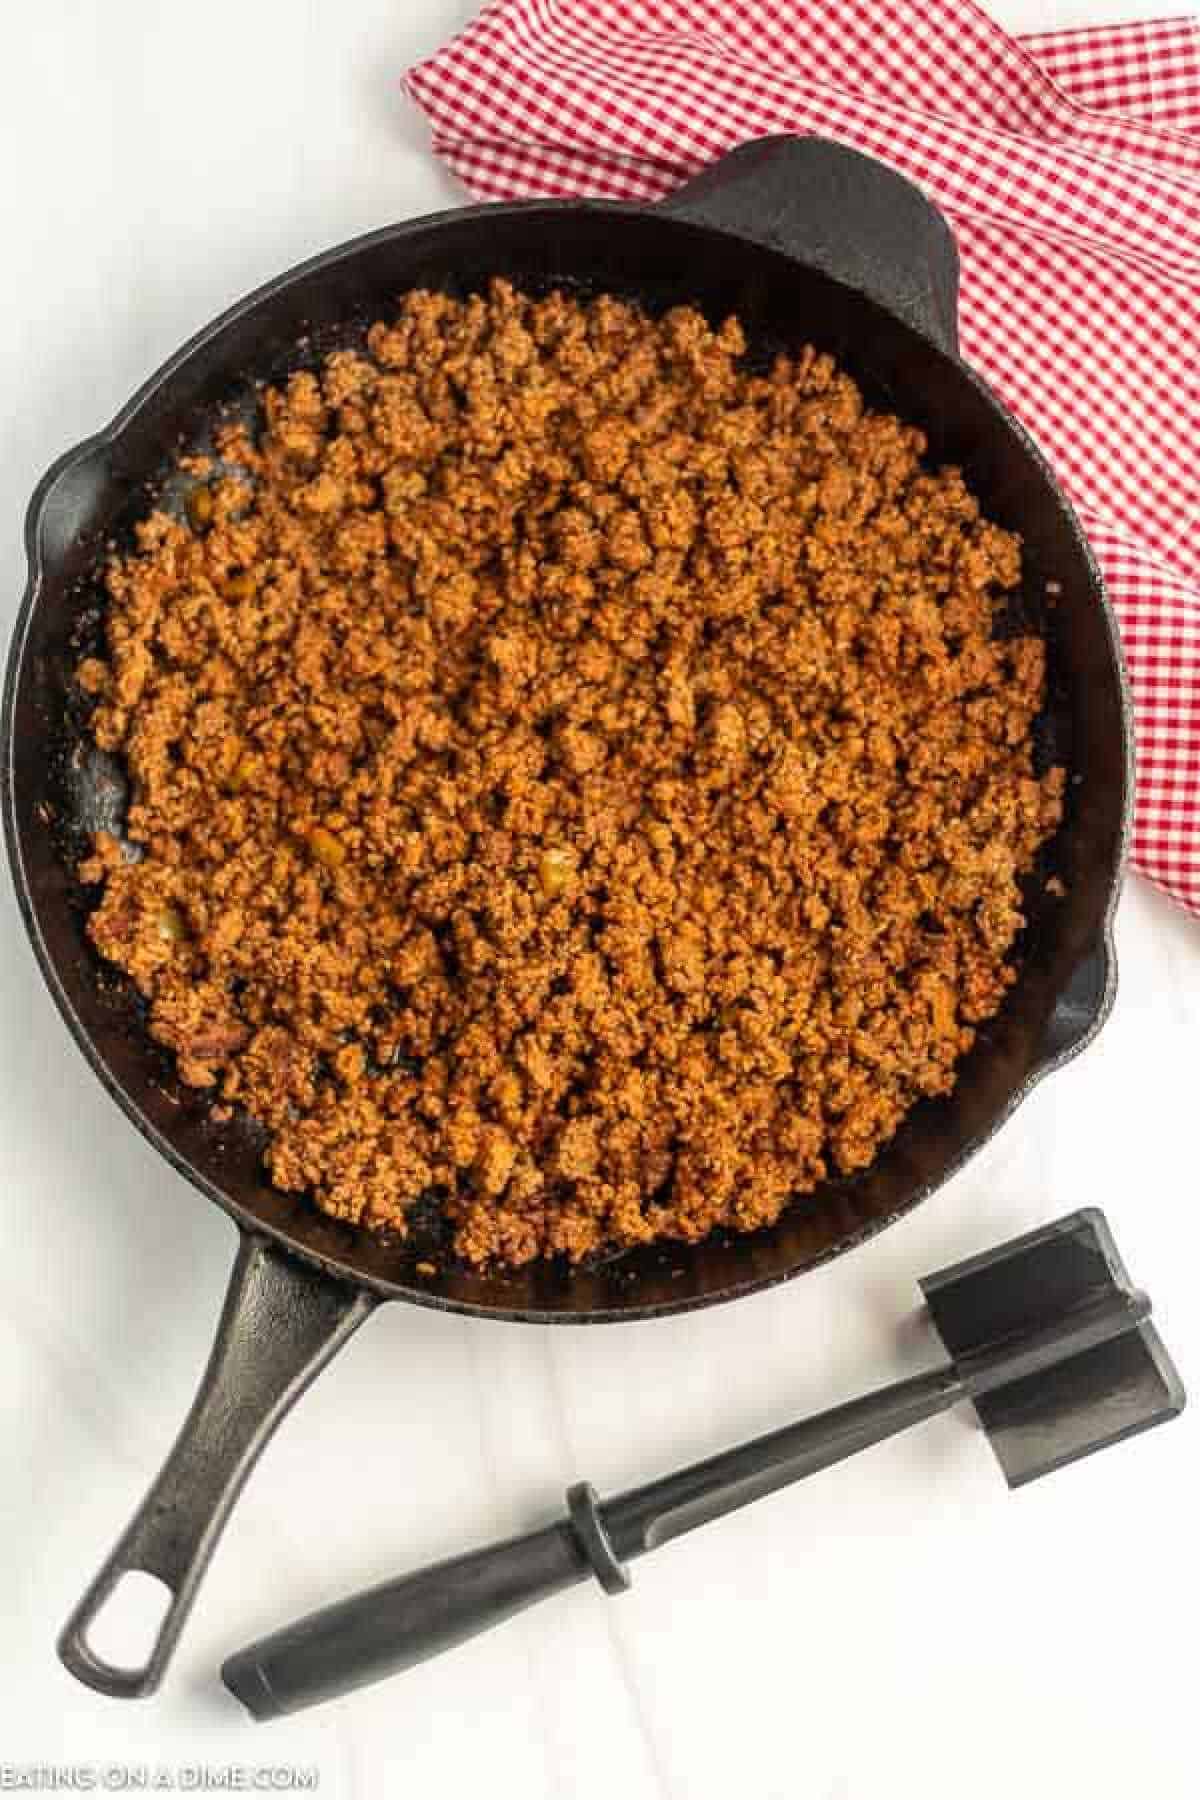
[1093, 1400]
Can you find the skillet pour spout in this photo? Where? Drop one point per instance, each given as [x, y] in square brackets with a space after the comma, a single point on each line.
[804, 240]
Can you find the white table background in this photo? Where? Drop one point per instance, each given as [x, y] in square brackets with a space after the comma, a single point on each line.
[901, 1626]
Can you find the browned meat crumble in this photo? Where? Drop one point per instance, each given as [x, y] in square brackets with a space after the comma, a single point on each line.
[571, 772]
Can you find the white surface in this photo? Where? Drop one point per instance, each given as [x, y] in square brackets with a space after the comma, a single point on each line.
[901, 1626]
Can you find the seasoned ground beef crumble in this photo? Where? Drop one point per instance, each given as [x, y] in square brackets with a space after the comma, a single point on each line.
[571, 773]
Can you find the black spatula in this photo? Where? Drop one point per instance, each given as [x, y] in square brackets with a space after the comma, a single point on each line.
[1047, 1338]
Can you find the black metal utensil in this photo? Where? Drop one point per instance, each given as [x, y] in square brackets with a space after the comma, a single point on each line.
[1047, 1339]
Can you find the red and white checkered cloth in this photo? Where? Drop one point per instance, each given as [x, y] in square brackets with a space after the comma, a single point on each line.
[1069, 166]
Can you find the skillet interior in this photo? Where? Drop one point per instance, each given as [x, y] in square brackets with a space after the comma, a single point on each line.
[57, 788]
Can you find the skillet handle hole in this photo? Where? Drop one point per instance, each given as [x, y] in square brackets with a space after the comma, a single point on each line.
[126, 1629]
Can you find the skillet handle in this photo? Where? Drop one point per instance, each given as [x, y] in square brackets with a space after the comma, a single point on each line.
[280, 1325]
[842, 212]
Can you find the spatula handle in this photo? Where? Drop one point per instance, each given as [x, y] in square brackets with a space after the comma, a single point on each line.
[391, 1627]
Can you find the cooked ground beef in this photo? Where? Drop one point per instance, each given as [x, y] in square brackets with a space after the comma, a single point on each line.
[571, 773]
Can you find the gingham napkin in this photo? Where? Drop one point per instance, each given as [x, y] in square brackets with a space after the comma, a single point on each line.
[1069, 166]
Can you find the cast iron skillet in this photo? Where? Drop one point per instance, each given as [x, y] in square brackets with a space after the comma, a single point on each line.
[804, 240]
